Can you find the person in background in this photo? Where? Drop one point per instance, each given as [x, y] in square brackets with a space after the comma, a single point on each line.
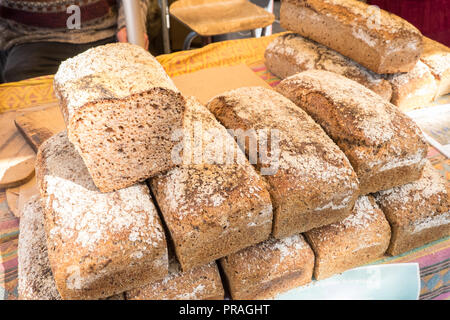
[36, 35]
[431, 17]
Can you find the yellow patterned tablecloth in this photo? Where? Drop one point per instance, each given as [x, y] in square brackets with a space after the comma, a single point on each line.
[434, 259]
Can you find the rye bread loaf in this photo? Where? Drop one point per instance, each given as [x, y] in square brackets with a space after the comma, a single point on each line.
[199, 283]
[212, 206]
[418, 212]
[99, 244]
[376, 39]
[291, 53]
[385, 147]
[414, 89]
[120, 109]
[269, 268]
[358, 239]
[437, 57]
[35, 278]
[313, 183]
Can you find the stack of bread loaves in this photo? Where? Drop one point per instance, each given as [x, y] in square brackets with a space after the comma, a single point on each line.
[375, 48]
[149, 194]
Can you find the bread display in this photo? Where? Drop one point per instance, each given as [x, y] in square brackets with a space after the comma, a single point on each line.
[120, 109]
[312, 183]
[199, 283]
[376, 39]
[99, 244]
[35, 276]
[358, 239]
[211, 207]
[271, 267]
[414, 89]
[437, 57]
[149, 194]
[418, 212]
[291, 53]
[385, 147]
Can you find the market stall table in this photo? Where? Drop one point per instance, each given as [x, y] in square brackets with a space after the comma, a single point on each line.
[433, 259]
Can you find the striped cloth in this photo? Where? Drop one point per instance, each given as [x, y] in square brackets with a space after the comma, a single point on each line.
[433, 259]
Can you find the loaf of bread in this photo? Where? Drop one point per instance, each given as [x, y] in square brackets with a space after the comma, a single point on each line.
[437, 57]
[269, 268]
[418, 212]
[385, 147]
[359, 239]
[199, 283]
[312, 183]
[376, 39]
[290, 53]
[35, 276]
[212, 206]
[99, 244]
[120, 109]
[414, 89]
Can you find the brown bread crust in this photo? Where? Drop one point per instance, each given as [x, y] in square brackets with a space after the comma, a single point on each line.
[383, 43]
[291, 53]
[120, 109]
[212, 209]
[385, 147]
[269, 268]
[99, 244]
[418, 212]
[359, 239]
[314, 184]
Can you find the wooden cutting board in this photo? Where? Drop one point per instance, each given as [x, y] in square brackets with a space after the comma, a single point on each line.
[17, 197]
[39, 123]
[16, 156]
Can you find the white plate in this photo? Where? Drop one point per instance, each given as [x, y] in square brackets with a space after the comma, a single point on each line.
[375, 282]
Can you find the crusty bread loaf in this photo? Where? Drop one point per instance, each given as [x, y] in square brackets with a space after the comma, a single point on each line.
[359, 239]
[437, 57]
[199, 283]
[313, 183]
[269, 268]
[414, 89]
[120, 109]
[35, 276]
[418, 212]
[376, 39]
[291, 53]
[99, 244]
[385, 147]
[212, 207]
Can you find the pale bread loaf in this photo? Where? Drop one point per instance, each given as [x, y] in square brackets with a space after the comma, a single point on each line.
[414, 89]
[199, 283]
